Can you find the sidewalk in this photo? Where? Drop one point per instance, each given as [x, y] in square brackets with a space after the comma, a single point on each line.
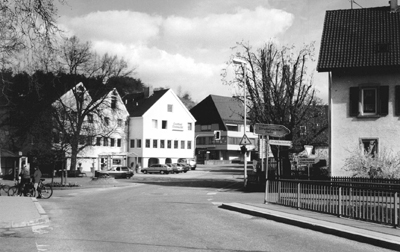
[371, 233]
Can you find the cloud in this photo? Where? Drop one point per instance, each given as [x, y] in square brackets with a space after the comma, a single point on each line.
[178, 51]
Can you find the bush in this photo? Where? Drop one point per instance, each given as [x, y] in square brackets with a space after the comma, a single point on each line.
[385, 164]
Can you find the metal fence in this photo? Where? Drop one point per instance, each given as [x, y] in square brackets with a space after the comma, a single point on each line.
[345, 199]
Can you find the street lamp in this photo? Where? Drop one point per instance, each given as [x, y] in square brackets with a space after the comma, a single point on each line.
[243, 64]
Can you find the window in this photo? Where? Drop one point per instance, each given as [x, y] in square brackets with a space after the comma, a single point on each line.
[119, 122]
[147, 143]
[369, 146]
[232, 127]
[189, 126]
[89, 140]
[169, 144]
[90, 118]
[369, 100]
[155, 143]
[105, 141]
[119, 142]
[189, 145]
[303, 130]
[154, 123]
[169, 109]
[106, 121]
[139, 143]
[205, 127]
[164, 124]
[162, 143]
[98, 141]
[132, 143]
[112, 142]
[114, 100]
[182, 144]
[176, 144]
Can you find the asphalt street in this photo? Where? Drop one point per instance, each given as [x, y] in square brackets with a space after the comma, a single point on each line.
[166, 213]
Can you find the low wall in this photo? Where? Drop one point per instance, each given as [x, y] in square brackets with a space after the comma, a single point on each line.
[217, 162]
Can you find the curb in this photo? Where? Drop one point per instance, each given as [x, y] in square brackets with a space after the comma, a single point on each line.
[44, 218]
[352, 233]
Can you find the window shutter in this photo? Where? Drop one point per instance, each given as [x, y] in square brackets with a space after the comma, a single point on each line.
[383, 104]
[397, 101]
[354, 100]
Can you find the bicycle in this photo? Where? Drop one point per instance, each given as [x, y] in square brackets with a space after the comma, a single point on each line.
[5, 188]
[45, 191]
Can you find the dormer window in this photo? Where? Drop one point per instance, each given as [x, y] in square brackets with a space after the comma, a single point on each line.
[113, 101]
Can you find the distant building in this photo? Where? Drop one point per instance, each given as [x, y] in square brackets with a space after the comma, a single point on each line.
[225, 116]
[360, 49]
[161, 129]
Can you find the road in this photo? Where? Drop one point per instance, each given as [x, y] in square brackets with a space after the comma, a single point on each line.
[167, 213]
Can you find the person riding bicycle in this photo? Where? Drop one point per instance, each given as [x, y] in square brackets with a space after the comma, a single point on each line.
[25, 178]
[37, 175]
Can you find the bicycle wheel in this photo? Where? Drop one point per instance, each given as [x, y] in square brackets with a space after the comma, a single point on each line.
[45, 191]
[5, 189]
[13, 191]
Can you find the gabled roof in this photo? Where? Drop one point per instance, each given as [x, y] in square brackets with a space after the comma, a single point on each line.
[141, 105]
[360, 38]
[218, 109]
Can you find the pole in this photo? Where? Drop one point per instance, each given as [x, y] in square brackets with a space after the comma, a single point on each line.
[245, 116]
[266, 171]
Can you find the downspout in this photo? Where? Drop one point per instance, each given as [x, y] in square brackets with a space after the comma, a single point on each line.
[330, 120]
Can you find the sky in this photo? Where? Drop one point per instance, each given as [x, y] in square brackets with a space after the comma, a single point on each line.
[185, 44]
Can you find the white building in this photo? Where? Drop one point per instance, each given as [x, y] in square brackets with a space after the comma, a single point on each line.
[161, 129]
[104, 130]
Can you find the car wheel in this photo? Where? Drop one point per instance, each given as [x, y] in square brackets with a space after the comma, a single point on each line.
[145, 172]
[162, 172]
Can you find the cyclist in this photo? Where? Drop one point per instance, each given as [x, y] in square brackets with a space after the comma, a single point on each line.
[25, 178]
[37, 175]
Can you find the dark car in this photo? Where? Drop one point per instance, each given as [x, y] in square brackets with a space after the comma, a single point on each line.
[116, 172]
[188, 161]
[176, 168]
[157, 168]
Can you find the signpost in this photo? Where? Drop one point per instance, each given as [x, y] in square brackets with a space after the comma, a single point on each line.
[280, 142]
[273, 130]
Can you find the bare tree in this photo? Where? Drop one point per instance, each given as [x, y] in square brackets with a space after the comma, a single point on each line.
[81, 117]
[26, 24]
[75, 55]
[278, 89]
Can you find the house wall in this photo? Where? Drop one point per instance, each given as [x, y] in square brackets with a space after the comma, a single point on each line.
[176, 130]
[346, 131]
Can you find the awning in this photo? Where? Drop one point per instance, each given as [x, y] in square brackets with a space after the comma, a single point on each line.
[7, 153]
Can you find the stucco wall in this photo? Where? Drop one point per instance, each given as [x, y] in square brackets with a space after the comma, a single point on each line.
[346, 131]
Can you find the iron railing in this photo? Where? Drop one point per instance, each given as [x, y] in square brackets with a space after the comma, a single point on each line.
[351, 200]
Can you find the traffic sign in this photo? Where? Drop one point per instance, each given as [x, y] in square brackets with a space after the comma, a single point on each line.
[306, 161]
[245, 140]
[280, 142]
[274, 130]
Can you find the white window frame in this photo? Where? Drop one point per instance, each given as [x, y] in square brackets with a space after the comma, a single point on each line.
[363, 89]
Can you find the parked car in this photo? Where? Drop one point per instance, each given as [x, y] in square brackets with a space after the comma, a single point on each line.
[157, 168]
[189, 161]
[116, 172]
[176, 168]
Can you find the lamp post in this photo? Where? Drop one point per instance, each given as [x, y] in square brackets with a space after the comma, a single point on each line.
[243, 63]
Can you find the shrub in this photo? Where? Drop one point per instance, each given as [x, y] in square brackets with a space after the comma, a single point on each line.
[385, 164]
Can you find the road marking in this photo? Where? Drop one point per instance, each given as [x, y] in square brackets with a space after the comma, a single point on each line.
[211, 193]
[41, 229]
[216, 203]
[41, 247]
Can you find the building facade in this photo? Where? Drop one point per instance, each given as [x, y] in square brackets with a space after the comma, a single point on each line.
[161, 129]
[220, 130]
[360, 51]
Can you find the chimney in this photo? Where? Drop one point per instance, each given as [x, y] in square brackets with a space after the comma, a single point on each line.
[148, 91]
[393, 5]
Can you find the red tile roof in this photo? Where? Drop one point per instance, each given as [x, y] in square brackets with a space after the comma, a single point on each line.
[360, 38]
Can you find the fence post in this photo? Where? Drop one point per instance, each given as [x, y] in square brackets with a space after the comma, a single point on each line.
[396, 208]
[298, 196]
[279, 191]
[340, 202]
